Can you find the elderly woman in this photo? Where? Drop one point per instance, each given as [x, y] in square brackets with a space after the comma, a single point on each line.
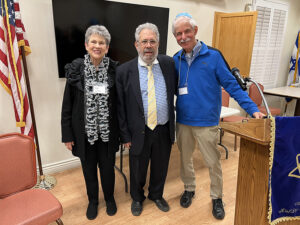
[89, 121]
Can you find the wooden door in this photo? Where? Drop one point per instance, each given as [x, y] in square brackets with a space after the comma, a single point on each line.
[234, 36]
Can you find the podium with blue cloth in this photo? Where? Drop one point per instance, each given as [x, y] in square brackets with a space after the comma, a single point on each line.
[252, 194]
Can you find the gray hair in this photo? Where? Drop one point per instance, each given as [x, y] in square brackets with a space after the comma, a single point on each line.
[100, 30]
[149, 26]
[190, 20]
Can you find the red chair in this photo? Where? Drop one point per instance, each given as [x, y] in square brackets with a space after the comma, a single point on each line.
[225, 102]
[19, 204]
[257, 99]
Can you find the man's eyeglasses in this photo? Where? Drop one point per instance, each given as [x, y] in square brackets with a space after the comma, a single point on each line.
[145, 42]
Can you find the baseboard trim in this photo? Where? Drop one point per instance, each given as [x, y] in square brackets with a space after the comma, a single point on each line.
[61, 165]
[66, 164]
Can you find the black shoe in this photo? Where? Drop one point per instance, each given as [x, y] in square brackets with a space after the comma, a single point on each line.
[136, 208]
[92, 211]
[162, 204]
[218, 209]
[111, 207]
[186, 198]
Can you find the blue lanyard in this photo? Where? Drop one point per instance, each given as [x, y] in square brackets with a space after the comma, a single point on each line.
[187, 74]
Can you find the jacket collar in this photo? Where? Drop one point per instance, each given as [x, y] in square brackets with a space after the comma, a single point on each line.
[203, 51]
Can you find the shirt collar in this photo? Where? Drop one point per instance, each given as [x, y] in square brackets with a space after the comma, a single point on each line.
[195, 50]
[142, 62]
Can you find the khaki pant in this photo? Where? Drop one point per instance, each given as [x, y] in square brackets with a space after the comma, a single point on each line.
[207, 142]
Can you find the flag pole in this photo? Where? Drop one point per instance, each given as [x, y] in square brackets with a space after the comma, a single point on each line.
[44, 181]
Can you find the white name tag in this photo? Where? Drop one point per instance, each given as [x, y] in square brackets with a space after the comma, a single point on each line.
[100, 89]
[183, 91]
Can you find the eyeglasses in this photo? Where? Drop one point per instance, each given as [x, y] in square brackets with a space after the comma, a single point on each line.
[145, 42]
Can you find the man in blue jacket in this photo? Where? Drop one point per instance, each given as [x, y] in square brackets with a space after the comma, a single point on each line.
[202, 71]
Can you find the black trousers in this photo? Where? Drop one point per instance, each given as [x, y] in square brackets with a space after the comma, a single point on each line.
[156, 149]
[97, 156]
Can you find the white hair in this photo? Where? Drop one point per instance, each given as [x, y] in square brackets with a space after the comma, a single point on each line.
[100, 30]
[189, 19]
[149, 26]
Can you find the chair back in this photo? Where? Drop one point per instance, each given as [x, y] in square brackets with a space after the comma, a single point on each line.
[225, 98]
[255, 95]
[17, 163]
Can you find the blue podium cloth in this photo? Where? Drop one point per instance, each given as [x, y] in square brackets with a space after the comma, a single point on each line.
[284, 182]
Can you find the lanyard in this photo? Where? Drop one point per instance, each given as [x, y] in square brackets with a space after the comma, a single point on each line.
[196, 51]
[187, 74]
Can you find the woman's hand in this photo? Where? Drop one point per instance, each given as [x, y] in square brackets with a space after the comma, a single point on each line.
[69, 145]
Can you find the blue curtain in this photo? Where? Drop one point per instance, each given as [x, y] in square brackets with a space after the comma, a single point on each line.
[284, 182]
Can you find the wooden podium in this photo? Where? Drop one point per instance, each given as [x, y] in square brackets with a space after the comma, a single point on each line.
[251, 207]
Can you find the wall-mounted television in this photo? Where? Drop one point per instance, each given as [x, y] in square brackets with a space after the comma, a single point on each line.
[73, 17]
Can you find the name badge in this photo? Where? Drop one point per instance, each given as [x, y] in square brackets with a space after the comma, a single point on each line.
[183, 91]
[100, 89]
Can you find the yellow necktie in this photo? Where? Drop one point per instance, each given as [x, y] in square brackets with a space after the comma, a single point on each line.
[152, 117]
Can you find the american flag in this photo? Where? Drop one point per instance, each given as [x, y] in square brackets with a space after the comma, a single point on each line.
[11, 74]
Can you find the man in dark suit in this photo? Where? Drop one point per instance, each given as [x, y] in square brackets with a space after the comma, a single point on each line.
[146, 87]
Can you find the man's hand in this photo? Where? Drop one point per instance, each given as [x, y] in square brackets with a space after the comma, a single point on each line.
[258, 115]
[127, 145]
[69, 145]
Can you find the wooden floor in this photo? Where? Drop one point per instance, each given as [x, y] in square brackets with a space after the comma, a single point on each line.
[70, 190]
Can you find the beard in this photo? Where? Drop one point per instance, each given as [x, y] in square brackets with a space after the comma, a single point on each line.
[148, 58]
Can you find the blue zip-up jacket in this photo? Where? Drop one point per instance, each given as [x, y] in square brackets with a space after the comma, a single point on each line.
[206, 74]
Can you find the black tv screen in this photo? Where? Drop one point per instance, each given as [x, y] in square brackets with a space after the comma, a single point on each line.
[73, 17]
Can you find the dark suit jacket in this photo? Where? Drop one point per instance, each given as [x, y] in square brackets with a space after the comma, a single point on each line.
[72, 115]
[130, 104]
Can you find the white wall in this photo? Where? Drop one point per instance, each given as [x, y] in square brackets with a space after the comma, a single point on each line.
[47, 88]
